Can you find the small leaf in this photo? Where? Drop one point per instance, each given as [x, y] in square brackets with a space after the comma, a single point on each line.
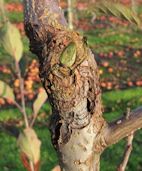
[30, 144]
[41, 98]
[6, 91]
[10, 38]
[68, 56]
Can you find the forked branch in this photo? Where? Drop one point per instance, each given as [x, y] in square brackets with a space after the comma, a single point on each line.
[127, 153]
[123, 127]
[128, 149]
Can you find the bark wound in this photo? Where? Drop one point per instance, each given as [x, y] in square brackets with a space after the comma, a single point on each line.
[73, 91]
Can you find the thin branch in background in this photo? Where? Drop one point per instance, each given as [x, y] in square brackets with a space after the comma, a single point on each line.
[128, 150]
[22, 93]
[134, 5]
[127, 153]
[18, 106]
[70, 14]
[2, 12]
[23, 107]
[33, 119]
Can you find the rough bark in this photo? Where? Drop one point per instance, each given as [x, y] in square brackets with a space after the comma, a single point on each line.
[70, 76]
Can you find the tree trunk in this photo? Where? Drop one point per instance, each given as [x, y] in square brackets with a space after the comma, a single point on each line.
[70, 76]
[78, 153]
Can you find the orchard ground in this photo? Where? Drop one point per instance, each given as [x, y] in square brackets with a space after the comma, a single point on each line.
[117, 46]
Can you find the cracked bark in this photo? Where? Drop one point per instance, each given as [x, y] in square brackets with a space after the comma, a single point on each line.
[79, 131]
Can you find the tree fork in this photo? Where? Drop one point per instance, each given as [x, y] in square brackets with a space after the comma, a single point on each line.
[70, 77]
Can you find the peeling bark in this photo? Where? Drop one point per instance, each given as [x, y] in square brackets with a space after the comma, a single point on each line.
[70, 77]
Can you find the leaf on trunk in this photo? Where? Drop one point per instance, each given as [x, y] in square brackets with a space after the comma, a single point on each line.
[6, 91]
[10, 38]
[68, 56]
[41, 98]
[30, 144]
[117, 10]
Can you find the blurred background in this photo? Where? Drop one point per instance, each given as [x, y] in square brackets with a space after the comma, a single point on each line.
[117, 47]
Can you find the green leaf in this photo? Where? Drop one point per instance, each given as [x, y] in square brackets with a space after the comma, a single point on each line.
[41, 98]
[68, 56]
[10, 38]
[30, 144]
[6, 91]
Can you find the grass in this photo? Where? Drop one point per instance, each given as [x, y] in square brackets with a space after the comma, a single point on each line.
[117, 102]
[106, 40]
[9, 152]
[122, 95]
[10, 155]
[11, 162]
[13, 17]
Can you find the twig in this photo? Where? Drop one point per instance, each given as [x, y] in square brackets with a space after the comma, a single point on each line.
[2, 11]
[128, 149]
[18, 106]
[23, 107]
[22, 93]
[70, 14]
[127, 153]
[33, 119]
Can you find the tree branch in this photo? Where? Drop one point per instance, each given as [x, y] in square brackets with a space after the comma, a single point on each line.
[127, 153]
[123, 127]
[128, 149]
[42, 11]
[22, 94]
[42, 17]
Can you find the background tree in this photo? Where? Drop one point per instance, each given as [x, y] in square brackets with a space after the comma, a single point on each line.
[27, 140]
